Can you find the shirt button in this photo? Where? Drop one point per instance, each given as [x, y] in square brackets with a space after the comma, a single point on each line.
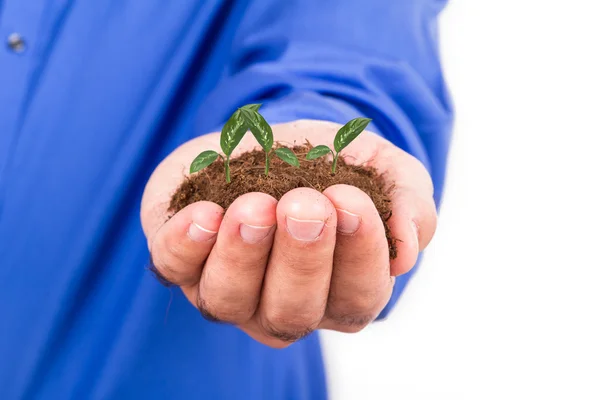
[16, 42]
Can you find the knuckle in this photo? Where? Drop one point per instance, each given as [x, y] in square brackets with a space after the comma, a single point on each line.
[242, 260]
[162, 270]
[289, 329]
[175, 253]
[289, 335]
[350, 322]
[300, 265]
[353, 313]
[160, 277]
[167, 263]
[207, 312]
[308, 271]
[359, 301]
[225, 256]
[224, 312]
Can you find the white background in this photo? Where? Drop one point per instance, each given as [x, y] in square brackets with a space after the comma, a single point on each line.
[507, 302]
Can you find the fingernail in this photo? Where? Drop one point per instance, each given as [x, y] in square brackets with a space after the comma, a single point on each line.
[253, 234]
[305, 230]
[200, 234]
[348, 223]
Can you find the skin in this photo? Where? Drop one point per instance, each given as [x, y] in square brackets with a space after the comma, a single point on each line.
[279, 270]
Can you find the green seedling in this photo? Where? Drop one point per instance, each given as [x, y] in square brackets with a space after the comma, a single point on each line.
[248, 118]
[232, 133]
[264, 136]
[343, 138]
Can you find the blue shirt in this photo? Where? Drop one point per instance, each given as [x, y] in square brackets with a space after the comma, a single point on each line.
[94, 96]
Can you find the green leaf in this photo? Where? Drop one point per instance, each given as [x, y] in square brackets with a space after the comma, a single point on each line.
[259, 127]
[288, 156]
[232, 133]
[349, 132]
[203, 160]
[254, 107]
[317, 152]
[234, 130]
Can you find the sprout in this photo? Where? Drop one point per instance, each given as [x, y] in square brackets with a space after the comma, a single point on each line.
[264, 136]
[203, 160]
[232, 133]
[248, 117]
[288, 156]
[343, 138]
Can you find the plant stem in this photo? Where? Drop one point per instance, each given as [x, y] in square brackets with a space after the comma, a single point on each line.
[267, 164]
[227, 177]
[334, 165]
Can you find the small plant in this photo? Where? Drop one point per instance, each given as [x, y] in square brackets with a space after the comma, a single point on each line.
[232, 133]
[248, 118]
[343, 138]
[264, 136]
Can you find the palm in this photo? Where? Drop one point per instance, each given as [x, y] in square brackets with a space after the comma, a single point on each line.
[413, 222]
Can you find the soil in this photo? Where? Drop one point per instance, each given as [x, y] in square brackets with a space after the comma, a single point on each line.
[247, 175]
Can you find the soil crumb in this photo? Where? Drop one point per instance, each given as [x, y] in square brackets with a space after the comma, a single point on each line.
[247, 175]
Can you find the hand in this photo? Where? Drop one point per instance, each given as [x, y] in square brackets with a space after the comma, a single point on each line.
[279, 270]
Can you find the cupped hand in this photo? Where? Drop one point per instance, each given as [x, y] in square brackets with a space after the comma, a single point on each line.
[281, 269]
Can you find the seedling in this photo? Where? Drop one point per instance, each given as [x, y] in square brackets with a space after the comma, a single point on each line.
[264, 135]
[248, 117]
[232, 133]
[343, 138]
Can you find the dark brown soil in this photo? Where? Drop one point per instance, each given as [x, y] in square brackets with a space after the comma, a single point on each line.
[247, 175]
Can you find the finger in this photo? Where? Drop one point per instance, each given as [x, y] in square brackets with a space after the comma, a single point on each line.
[360, 284]
[183, 243]
[232, 278]
[412, 224]
[414, 215]
[297, 279]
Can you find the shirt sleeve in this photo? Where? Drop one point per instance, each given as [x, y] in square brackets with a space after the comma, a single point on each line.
[336, 60]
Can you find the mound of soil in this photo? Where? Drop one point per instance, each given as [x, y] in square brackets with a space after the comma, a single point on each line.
[247, 175]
